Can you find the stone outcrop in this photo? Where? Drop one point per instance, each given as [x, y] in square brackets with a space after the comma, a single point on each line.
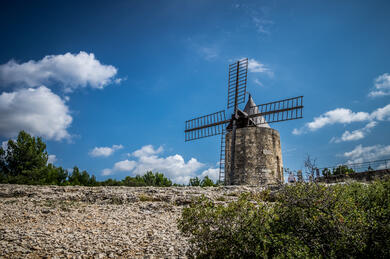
[100, 222]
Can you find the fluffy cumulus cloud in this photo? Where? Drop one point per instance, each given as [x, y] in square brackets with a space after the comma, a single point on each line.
[339, 115]
[212, 173]
[146, 151]
[370, 153]
[32, 106]
[346, 116]
[355, 134]
[148, 159]
[121, 166]
[69, 70]
[124, 166]
[38, 111]
[104, 151]
[381, 86]
[381, 114]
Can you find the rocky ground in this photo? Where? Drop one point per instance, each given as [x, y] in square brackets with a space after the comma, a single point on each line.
[79, 222]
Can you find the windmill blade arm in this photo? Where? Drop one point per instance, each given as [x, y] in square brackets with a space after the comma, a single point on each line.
[237, 82]
[288, 109]
[205, 126]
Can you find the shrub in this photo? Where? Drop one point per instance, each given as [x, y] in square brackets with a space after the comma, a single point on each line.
[306, 220]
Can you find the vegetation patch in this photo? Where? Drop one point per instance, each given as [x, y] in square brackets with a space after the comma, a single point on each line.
[221, 198]
[305, 220]
[145, 197]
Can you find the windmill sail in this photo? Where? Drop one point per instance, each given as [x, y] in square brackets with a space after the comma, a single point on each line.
[288, 109]
[205, 126]
[237, 82]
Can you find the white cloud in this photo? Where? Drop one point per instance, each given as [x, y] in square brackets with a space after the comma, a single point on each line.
[212, 173]
[351, 136]
[51, 159]
[124, 166]
[356, 134]
[70, 70]
[382, 86]
[344, 116]
[370, 153]
[107, 171]
[174, 167]
[38, 111]
[381, 114]
[121, 166]
[298, 131]
[339, 115]
[104, 151]
[147, 150]
[257, 67]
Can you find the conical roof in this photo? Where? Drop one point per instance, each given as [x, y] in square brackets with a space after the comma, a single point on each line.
[251, 108]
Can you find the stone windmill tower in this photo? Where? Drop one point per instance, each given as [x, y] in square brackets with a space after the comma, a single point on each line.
[258, 153]
[250, 148]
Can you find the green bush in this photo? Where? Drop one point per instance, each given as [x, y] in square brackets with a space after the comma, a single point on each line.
[306, 220]
[342, 170]
[25, 162]
[205, 182]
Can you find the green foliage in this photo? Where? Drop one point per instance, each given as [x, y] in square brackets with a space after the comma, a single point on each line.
[110, 182]
[194, 181]
[148, 179]
[83, 178]
[205, 182]
[306, 220]
[326, 172]
[54, 175]
[342, 170]
[25, 162]
[155, 179]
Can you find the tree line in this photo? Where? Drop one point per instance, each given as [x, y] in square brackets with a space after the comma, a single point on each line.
[25, 161]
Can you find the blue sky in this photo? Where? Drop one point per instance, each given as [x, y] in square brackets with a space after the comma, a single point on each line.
[109, 84]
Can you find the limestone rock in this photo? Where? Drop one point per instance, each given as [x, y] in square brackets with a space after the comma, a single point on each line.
[99, 222]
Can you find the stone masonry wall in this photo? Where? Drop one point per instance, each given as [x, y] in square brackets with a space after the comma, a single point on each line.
[258, 157]
[367, 177]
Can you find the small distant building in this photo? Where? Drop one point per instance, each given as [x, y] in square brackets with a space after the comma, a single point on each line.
[291, 178]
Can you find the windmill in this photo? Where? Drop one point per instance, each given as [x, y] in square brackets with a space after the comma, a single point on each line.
[252, 116]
